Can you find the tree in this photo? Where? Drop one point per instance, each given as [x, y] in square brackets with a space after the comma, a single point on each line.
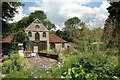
[49, 25]
[9, 9]
[72, 22]
[38, 14]
[112, 26]
[21, 37]
[62, 34]
[72, 29]
[26, 21]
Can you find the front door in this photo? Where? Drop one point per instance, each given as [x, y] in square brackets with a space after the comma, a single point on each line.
[35, 49]
[42, 45]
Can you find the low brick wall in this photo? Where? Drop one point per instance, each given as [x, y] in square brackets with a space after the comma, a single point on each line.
[49, 55]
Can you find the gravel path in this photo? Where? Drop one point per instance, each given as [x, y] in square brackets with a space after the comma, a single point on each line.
[40, 62]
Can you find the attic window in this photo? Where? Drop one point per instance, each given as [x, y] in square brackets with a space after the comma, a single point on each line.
[37, 21]
[37, 26]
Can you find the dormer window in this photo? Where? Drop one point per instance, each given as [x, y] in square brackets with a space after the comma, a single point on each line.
[29, 34]
[44, 34]
[37, 26]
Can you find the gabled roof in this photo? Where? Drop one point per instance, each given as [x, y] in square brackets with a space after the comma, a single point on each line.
[9, 38]
[36, 25]
[55, 38]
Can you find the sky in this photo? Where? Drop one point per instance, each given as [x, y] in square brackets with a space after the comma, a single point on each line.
[92, 12]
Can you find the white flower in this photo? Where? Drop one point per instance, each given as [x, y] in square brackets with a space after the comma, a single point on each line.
[62, 77]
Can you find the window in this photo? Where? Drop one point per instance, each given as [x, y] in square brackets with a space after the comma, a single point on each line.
[37, 26]
[29, 34]
[63, 45]
[52, 46]
[44, 34]
[36, 36]
[68, 47]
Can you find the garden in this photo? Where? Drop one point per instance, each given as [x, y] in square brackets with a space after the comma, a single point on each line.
[75, 65]
[96, 58]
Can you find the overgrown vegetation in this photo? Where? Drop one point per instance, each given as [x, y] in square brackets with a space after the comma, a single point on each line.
[88, 66]
[78, 65]
[13, 63]
[96, 58]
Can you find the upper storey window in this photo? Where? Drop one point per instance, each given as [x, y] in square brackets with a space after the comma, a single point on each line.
[36, 36]
[44, 34]
[29, 34]
[37, 26]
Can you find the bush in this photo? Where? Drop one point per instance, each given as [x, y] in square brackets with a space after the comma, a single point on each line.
[87, 66]
[14, 56]
[15, 62]
[6, 57]
[100, 66]
[16, 74]
[7, 66]
[29, 73]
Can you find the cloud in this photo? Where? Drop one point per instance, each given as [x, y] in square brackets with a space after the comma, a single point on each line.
[59, 12]
[113, 0]
[19, 15]
[32, 9]
[74, 1]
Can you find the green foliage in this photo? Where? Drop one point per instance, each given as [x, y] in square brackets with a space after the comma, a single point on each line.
[16, 74]
[15, 62]
[38, 14]
[19, 61]
[7, 66]
[29, 73]
[7, 63]
[21, 37]
[87, 66]
[6, 57]
[9, 47]
[14, 56]
[72, 28]
[83, 66]
[49, 25]
[111, 35]
[9, 9]
[26, 21]
[72, 21]
[63, 34]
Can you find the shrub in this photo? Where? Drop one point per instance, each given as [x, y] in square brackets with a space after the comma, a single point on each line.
[14, 63]
[87, 66]
[6, 57]
[29, 73]
[7, 66]
[16, 74]
[14, 56]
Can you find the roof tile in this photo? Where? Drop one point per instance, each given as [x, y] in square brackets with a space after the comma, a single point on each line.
[55, 38]
[9, 38]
